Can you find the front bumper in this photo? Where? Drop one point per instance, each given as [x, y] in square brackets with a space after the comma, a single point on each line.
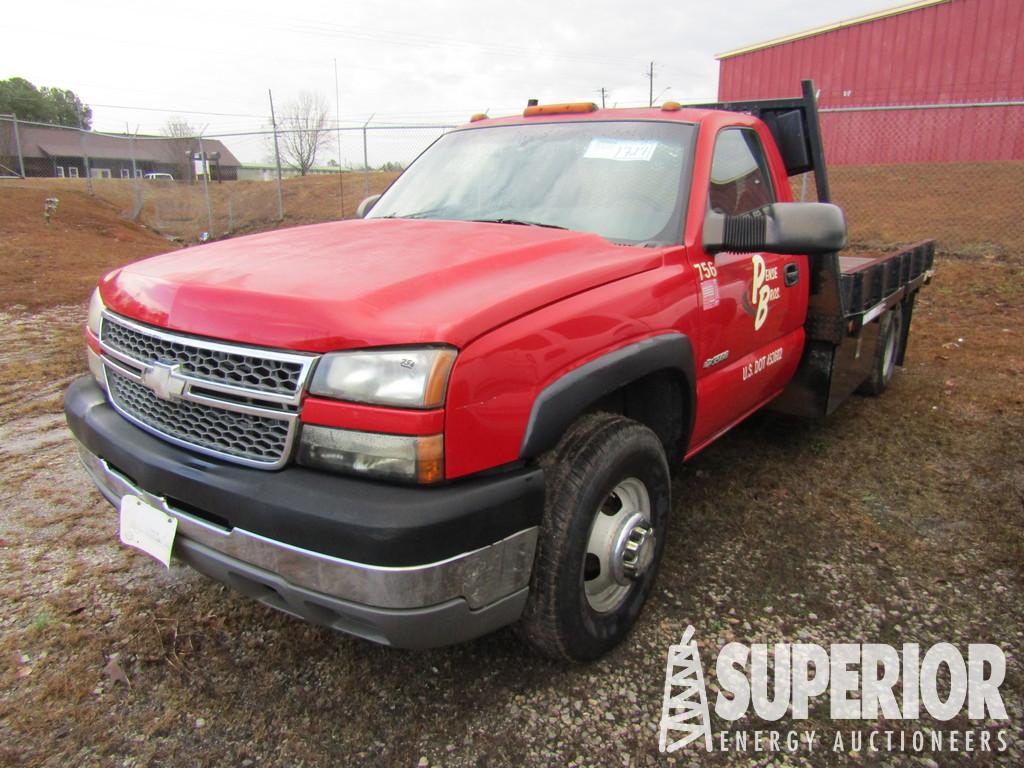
[249, 529]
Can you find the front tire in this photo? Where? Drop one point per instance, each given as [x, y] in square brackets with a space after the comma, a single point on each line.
[601, 539]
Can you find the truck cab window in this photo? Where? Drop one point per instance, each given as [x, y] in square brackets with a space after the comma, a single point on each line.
[740, 181]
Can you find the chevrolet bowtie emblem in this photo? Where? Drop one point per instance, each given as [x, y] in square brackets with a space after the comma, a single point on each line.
[164, 380]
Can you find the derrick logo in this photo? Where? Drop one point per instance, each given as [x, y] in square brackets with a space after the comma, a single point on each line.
[860, 680]
[761, 293]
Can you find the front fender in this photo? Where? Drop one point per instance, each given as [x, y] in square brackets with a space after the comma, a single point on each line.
[562, 401]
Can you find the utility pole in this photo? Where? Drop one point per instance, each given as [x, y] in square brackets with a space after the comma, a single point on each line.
[603, 92]
[17, 143]
[206, 183]
[337, 126]
[366, 161]
[650, 76]
[277, 158]
[136, 192]
[85, 158]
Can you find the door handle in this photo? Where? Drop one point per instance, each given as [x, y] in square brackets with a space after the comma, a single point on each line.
[792, 274]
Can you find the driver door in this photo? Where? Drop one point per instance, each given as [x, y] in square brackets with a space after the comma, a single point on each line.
[745, 307]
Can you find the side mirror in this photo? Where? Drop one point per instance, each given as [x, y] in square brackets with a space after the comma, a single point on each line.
[809, 228]
[366, 205]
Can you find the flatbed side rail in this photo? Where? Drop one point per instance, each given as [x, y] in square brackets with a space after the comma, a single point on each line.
[848, 293]
[871, 287]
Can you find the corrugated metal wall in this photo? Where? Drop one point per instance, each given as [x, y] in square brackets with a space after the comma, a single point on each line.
[957, 51]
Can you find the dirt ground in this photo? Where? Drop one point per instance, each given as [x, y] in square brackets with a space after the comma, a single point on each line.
[897, 520]
[178, 210]
[970, 208]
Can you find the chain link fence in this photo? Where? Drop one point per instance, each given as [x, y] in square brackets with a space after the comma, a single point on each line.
[954, 172]
[195, 188]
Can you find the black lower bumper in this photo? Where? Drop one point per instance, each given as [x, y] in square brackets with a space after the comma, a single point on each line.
[359, 520]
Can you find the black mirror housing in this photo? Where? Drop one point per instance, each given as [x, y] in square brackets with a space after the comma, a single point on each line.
[810, 228]
[365, 206]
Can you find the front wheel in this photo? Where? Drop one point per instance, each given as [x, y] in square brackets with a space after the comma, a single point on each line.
[601, 539]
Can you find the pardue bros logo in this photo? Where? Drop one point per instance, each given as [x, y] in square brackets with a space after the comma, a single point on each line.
[863, 681]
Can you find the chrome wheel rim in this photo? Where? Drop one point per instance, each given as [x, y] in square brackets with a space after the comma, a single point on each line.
[620, 546]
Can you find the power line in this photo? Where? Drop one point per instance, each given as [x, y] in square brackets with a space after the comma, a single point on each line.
[431, 41]
[177, 111]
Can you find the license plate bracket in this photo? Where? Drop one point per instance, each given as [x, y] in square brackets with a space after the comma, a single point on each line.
[147, 528]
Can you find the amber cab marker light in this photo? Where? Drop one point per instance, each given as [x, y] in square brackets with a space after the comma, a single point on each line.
[576, 108]
[671, 106]
[477, 117]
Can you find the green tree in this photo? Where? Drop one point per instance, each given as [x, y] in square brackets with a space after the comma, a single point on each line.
[57, 106]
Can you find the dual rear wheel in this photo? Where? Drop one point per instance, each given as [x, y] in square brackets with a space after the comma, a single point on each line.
[883, 368]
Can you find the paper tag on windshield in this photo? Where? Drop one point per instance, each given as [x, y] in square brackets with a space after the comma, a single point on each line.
[621, 149]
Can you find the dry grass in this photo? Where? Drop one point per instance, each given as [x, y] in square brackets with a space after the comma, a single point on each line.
[972, 209]
[237, 207]
[45, 265]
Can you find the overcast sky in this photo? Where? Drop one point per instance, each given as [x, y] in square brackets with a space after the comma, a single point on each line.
[405, 61]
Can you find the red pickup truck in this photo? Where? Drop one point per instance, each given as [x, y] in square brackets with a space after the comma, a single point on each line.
[461, 411]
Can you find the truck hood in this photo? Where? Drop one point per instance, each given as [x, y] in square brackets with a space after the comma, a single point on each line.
[367, 283]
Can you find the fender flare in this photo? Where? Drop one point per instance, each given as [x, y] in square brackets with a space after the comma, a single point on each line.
[563, 400]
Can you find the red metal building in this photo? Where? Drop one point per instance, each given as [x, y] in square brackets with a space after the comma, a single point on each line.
[932, 81]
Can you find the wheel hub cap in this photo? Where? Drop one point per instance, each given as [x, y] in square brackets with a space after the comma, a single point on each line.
[620, 548]
[636, 550]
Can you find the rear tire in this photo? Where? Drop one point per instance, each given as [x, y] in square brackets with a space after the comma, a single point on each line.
[884, 366]
[607, 505]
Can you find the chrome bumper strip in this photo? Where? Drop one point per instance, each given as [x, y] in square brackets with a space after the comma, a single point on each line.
[481, 577]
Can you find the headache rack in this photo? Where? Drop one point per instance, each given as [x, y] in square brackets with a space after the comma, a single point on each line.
[847, 292]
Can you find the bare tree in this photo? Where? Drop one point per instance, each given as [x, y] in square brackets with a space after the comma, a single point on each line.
[304, 131]
[180, 128]
[183, 133]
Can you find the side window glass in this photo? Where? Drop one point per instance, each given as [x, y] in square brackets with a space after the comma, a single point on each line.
[740, 181]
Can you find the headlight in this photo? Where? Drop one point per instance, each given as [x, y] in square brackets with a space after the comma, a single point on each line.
[416, 458]
[411, 378]
[95, 313]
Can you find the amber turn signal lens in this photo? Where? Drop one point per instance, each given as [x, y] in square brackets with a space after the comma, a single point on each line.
[437, 381]
[430, 459]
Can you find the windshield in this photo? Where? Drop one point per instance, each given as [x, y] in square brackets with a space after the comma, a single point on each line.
[621, 180]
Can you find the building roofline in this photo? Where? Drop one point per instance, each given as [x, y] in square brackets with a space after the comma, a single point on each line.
[885, 13]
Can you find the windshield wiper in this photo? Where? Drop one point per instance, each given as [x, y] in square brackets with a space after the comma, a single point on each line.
[520, 222]
[417, 215]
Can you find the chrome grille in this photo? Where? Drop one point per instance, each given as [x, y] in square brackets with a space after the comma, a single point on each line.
[203, 362]
[255, 438]
[237, 403]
